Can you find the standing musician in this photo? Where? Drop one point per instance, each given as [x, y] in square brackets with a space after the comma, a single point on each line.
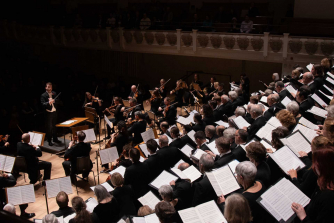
[138, 127]
[155, 101]
[130, 114]
[179, 91]
[162, 90]
[169, 112]
[50, 105]
[136, 94]
[118, 113]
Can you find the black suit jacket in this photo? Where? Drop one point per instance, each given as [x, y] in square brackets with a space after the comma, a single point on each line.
[170, 156]
[118, 114]
[187, 140]
[226, 109]
[30, 154]
[45, 100]
[171, 115]
[248, 118]
[204, 147]
[222, 161]
[312, 87]
[209, 120]
[304, 106]
[139, 98]
[203, 192]
[132, 113]
[63, 212]
[284, 93]
[183, 190]
[126, 200]
[121, 140]
[199, 127]
[273, 110]
[154, 163]
[137, 128]
[78, 150]
[214, 137]
[138, 175]
[253, 128]
[239, 153]
[178, 143]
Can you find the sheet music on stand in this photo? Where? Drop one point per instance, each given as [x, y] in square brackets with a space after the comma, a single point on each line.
[90, 135]
[318, 111]
[149, 199]
[317, 99]
[54, 186]
[120, 170]
[105, 185]
[7, 163]
[21, 194]
[108, 155]
[36, 138]
[287, 160]
[143, 148]
[277, 200]
[108, 122]
[149, 134]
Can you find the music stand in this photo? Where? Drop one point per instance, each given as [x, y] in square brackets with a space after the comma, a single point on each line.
[92, 115]
[152, 116]
[79, 128]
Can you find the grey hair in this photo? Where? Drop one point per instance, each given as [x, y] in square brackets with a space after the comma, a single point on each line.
[9, 208]
[229, 133]
[238, 90]
[257, 109]
[166, 191]
[225, 97]
[138, 113]
[249, 107]
[268, 92]
[247, 170]
[233, 94]
[50, 218]
[276, 76]
[210, 129]
[207, 162]
[274, 97]
[279, 84]
[101, 193]
[330, 110]
[293, 107]
[240, 111]
[308, 75]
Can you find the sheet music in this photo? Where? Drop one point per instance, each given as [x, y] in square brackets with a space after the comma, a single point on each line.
[197, 154]
[109, 155]
[28, 193]
[108, 122]
[187, 150]
[149, 199]
[209, 212]
[68, 122]
[285, 101]
[327, 96]
[143, 148]
[286, 159]
[244, 146]
[178, 163]
[299, 143]
[291, 90]
[121, 221]
[292, 192]
[163, 179]
[60, 219]
[149, 134]
[120, 170]
[183, 120]
[264, 99]
[267, 145]
[65, 185]
[308, 124]
[308, 133]
[56, 185]
[266, 132]
[105, 185]
[179, 173]
[138, 220]
[68, 218]
[90, 135]
[223, 180]
[270, 209]
[190, 215]
[91, 204]
[191, 135]
[141, 159]
[274, 122]
[225, 124]
[192, 173]
[35, 138]
[318, 111]
[330, 90]
[213, 148]
[309, 67]
[318, 100]
[330, 74]
[14, 195]
[2, 162]
[233, 164]
[330, 80]
[241, 122]
[152, 218]
[38, 221]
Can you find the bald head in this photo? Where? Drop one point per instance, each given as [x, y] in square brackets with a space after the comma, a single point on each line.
[183, 166]
[26, 138]
[163, 141]
[133, 88]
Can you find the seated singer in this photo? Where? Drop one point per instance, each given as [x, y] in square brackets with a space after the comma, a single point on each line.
[30, 153]
[74, 151]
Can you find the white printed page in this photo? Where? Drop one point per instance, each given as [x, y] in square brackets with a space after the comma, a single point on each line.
[68, 122]
[2, 162]
[65, 185]
[138, 220]
[149, 134]
[113, 154]
[28, 194]
[266, 132]
[60, 219]
[9, 164]
[91, 204]
[264, 99]
[192, 173]
[149, 199]
[274, 122]
[183, 120]
[213, 148]
[163, 179]
[318, 100]
[191, 135]
[187, 150]
[308, 124]
[209, 212]
[120, 170]
[318, 111]
[179, 173]
[37, 139]
[329, 89]
[90, 135]
[233, 164]
[292, 192]
[308, 133]
[108, 122]
[291, 90]
[330, 74]
[143, 148]
[68, 218]
[52, 187]
[309, 67]
[244, 146]
[108, 155]
[285, 101]
[226, 180]
[14, 195]
[197, 154]
[178, 163]
[241, 122]
[330, 80]
[105, 185]
[221, 123]
[152, 218]
[104, 155]
[327, 96]
[286, 159]
[271, 210]
[299, 143]
[190, 216]
[267, 145]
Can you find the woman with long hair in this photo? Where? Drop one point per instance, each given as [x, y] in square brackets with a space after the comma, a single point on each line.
[82, 215]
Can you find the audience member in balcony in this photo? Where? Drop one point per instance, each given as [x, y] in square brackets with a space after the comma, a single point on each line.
[246, 25]
[253, 11]
[145, 22]
[111, 21]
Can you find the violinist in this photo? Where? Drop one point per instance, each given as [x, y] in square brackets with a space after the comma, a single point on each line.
[124, 158]
[4, 144]
[138, 127]
[210, 87]
[93, 102]
[75, 150]
[161, 89]
[169, 111]
[220, 89]
[155, 101]
[118, 114]
[179, 92]
[130, 113]
[136, 94]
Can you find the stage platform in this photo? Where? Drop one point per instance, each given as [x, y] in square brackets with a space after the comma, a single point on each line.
[57, 147]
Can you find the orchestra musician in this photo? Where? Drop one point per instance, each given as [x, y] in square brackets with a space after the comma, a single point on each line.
[118, 113]
[155, 101]
[169, 112]
[220, 90]
[50, 106]
[138, 127]
[161, 90]
[179, 92]
[130, 113]
[93, 102]
[136, 94]
[4, 144]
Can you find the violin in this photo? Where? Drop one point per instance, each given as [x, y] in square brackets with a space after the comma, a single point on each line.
[75, 141]
[96, 99]
[4, 138]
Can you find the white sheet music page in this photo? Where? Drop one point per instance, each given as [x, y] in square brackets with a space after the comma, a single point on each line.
[152, 218]
[292, 192]
[91, 204]
[244, 146]
[318, 111]
[299, 143]
[328, 89]
[221, 123]
[267, 145]
[264, 99]
[291, 90]
[138, 220]
[14, 195]
[178, 163]
[163, 179]
[327, 96]
[143, 148]
[90, 135]
[179, 173]
[330, 80]
[183, 120]
[2, 162]
[318, 100]
[28, 193]
[120, 170]
[113, 154]
[233, 164]
[223, 180]
[65, 185]
[209, 212]
[310, 134]
[187, 150]
[190, 215]
[149, 134]
[213, 148]
[52, 187]
[149, 199]
[285, 101]
[192, 173]
[108, 122]
[36, 138]
[105, 185]
[330, 74]
[309, 67]
[109, 155]
[308, 124]
[197, 154]
[241, 122]
[265, 132]
[286, 159]
[274, 122]
[9, 164]
[68, 218]
[191, 135]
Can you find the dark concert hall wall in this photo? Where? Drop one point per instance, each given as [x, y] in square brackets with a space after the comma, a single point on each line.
[150, 68]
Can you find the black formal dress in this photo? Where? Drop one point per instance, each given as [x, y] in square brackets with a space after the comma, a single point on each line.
[50, 115]
[78, 150]
[263, 174]
[137, 128]
[258, 123]
[170, 156]
[126, 200]
[33, 164]
[272, 111]
[66, 211]
[108, 212]
[223, 160]
[138, 175]
[203, 192]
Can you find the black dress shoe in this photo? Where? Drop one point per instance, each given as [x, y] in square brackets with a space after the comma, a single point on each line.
[57, 141]
[28, 215]
[50, 144]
